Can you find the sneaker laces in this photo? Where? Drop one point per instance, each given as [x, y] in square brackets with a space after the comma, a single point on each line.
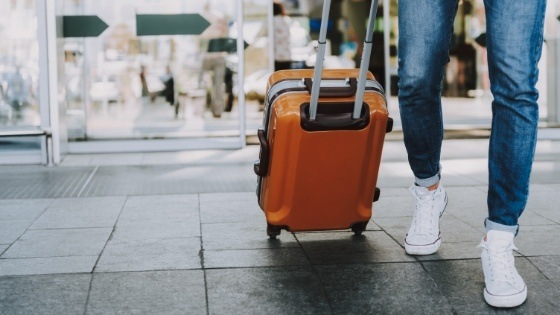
[423, 221]
[499, 262]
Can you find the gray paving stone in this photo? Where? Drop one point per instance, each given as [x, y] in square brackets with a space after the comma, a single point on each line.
[548, 189]
[465, 172]
[232, 207]
[170, 207]
[468, 202]
[395, 205]
[392, 192]
[57, 243]
[454, 251]
[455, 149]
[536, 240]
[399, 288]
[150, 254]
[455, 230]
[394, 175]
[549, 266]
[155, 229]
[453, 178]
[396, 227]
[291, 256]
[399, 175]
[341, 247]
[393, 151]
[226, 197]
[247, 235]
[3, 248]
[544, 200]
[22, 209]
[48, 265]
[545, 172]
[52, 294]
[158, 292]
[462, 282]
[530, 218]
[11, 230]
[452, 229]
[372, 226]
[80, 213]
[287, 290]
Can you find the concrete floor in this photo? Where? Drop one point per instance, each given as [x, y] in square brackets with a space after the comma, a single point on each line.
[182, 233]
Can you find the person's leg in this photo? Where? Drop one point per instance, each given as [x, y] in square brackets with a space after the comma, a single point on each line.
[514, 42]
[425, 30]
[218, 86]
[514, 39]
[228, 79]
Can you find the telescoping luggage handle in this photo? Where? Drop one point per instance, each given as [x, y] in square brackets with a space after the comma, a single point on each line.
[364, 64]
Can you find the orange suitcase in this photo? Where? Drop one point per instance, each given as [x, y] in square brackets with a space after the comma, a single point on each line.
[320, 155]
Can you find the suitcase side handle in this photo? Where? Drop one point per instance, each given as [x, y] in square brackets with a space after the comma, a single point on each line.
[261, 165]
[334, 91]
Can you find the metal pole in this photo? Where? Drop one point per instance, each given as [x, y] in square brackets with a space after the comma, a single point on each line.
[319, 60]
[270, 20]
[241, 74]
[387, 43]
[366, 55]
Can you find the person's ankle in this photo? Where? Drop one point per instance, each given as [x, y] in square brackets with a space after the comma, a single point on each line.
[433, 187]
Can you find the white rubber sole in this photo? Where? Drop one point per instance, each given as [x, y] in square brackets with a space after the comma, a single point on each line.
[506, 300]
[422, 249]
[427, 249]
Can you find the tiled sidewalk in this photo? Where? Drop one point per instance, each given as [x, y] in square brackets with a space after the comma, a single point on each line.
[182, 233]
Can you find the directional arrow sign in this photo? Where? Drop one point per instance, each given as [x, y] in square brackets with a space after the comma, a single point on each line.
[170, 24]
[82, 26]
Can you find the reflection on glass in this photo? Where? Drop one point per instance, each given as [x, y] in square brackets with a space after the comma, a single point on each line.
[123, 86]
[18, 64]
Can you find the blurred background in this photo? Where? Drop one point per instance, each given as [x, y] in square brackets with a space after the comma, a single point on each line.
[122, 91]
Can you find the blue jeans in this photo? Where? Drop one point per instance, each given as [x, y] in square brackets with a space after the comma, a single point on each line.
[514, 44]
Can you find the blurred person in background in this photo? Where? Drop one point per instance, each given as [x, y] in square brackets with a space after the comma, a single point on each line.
[282, 38]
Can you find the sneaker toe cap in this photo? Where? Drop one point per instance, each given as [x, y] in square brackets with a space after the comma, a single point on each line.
[421, 240]
[505, 289]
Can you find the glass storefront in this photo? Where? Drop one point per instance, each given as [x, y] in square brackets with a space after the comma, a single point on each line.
[19, 65]
[19, 70]
[122, 88]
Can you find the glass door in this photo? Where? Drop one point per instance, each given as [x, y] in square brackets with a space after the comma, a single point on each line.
[127, 90]
[19, 76]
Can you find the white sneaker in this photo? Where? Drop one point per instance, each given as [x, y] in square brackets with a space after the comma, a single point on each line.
[423, 237]
[504, 286]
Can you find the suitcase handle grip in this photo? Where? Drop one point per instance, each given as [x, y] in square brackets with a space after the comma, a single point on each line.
[261, 166]
[334, 116]
[334, 91]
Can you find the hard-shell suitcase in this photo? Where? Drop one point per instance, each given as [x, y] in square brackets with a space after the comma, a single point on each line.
[321, 145]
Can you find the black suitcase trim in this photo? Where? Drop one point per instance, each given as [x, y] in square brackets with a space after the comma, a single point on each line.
[334, 116]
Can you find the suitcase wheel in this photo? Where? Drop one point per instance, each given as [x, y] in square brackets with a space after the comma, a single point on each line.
[359, 227]
[273, 231]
